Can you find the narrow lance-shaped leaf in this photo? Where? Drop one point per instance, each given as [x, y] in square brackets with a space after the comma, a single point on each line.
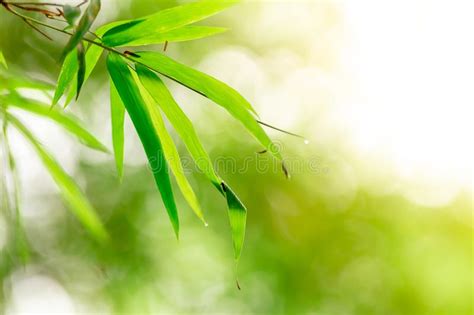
[66, 76]
[211, 88]
[85, 24]
[179, 120]
[92, 58]
[170, 151]
[129, 93]
[81, 72]
[164, 21]
[237, 218]
[65, 120]
[20, 236]
[117, 113]
[181, 34]
[182, 125]
[71, 193]
[14, 80]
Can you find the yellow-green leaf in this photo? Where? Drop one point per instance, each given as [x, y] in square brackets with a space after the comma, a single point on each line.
[66, 76]
[117, 114]
[211, 88]
[71, 193]
[183, 126]
[65, 120]
[170, 151]
[181, 34]
[3, 62]
[164, 21]
[179, 120]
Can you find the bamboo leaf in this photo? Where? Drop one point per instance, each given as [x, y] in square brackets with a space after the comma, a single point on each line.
[117, 113]
[211, 88]
[65, 120]
[130, 94]
[93, 55]
[170, 151]
[13, 80]
[3, 62]
[164, 21]
[81, 72]
[83, 27]
[71, 193]
[66, 76]
[179, 120]
[181, 123]
[237, 217]
[185, 33]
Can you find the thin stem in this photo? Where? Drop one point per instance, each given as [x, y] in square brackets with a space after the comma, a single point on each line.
[34, 3]
[281, 130]
[37, 29]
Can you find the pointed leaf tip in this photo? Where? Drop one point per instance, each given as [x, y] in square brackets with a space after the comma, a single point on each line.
[138, 111]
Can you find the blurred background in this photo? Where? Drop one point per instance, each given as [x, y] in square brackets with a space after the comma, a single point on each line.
[376, 219]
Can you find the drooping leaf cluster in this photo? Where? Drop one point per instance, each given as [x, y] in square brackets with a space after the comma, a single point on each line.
[137, 89]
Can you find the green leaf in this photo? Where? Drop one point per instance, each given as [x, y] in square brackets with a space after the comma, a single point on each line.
[93, 55]
[117, 113]
[66, 76]
[164, 21]
[237, 218]
[170, 151]
[184, 127]
[71, 13]
[182, 34]
[130, 94]
[13, 80]
[211, 88]
[71, 193]
[179, 120]
[65, 120]
[84, 25]
[81, 72]
[3, 62]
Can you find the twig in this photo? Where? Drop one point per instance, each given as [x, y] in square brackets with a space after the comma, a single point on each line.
[37, 29]
[34, 3]
[82, 3]
[281, 130]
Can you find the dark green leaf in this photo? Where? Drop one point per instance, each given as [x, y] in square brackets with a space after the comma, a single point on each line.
[237, 218]
[65, 120]
[81, 72]
[164, 21]
[137, 110]
[84, 25]
[117, 113]
[211, 88]
[71, 193]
